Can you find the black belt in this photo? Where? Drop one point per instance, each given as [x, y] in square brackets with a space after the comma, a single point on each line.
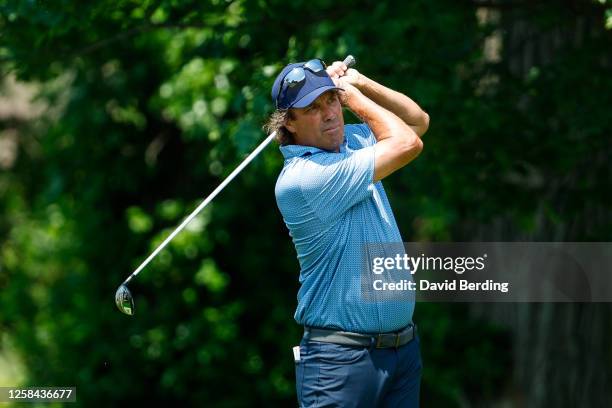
[381, 340]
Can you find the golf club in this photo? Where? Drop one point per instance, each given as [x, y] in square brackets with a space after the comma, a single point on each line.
[123, 297]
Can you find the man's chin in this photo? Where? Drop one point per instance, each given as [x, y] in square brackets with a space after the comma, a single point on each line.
[334, 137]
[336, 143]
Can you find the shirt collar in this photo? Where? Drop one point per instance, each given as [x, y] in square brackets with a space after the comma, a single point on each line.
[290, 151]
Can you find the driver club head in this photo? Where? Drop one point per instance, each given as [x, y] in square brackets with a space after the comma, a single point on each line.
[124, 300]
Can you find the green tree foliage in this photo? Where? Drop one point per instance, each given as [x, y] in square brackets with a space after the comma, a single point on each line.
[150, 104]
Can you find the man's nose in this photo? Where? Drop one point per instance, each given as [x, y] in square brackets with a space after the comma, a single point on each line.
[328, 113]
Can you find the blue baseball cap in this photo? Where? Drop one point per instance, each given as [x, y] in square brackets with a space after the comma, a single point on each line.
[305, 93]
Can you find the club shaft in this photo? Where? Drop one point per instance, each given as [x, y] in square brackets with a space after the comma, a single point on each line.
[348, 61]
[204, 203]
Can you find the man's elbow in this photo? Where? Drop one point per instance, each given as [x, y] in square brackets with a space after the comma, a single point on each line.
[420, 124]
[417, 146]
[423, 125]
[412, 147]
[425, 121]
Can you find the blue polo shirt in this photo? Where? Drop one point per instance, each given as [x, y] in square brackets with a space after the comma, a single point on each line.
[332, 207]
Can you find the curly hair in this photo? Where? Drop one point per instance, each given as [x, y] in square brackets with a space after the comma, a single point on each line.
[276, 123]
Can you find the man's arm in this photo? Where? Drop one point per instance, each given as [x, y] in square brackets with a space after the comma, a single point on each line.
[404, 107]
[397, 143]
[401, 105]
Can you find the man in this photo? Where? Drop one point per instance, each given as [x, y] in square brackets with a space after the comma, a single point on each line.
[355, 352]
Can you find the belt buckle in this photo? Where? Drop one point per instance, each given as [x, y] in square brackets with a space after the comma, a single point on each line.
[378, 339]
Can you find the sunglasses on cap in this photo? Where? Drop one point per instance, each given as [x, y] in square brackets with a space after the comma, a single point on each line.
[295, 78]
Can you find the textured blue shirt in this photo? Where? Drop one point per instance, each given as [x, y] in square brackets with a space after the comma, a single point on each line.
[332, 207]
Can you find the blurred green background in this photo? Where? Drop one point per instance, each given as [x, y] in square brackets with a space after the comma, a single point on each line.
[118, 117]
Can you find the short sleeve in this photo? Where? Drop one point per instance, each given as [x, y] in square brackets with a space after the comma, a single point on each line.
[362, 134]
[334, 182]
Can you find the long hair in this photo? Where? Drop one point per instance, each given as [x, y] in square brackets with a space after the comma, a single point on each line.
[276, 123]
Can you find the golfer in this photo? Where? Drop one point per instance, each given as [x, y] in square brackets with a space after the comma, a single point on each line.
[355, 352]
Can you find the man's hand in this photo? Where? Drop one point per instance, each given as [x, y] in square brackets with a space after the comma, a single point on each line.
[338, 70]
[345, 79]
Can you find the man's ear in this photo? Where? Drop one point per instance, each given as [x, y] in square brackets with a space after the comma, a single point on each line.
[289, 124]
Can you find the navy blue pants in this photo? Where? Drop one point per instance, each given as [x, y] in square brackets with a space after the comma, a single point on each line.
[332, 375]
